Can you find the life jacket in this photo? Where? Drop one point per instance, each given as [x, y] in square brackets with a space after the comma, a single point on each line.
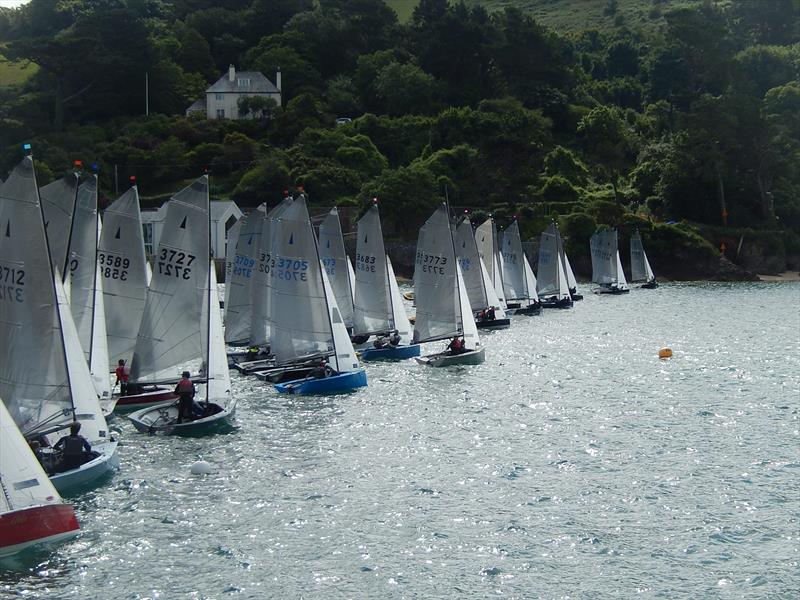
[73, 446]
[456, 345]
[122, 373]
[185, 386]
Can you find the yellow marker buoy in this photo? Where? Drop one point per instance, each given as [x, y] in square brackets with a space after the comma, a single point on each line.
[665, 353]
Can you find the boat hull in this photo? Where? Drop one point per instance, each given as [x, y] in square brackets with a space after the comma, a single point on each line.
[493, 324]
[391, 352]
[47, 524]
[557, 303]
[650, 285]
[143, 400]
[283, 374]
[343, 382]
[89, 473]
[443, 359]
[533, 309]
[164, 419]
[573, 292]
[614, 291]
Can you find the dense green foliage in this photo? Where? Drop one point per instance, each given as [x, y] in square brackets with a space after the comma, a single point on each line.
[691, 120]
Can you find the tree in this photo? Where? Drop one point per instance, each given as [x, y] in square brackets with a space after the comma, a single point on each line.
[607, 140]
[405, 89]
[259, 107]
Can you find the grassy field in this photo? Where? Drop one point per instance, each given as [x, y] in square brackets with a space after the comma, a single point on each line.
[576, 15]
[16, 72]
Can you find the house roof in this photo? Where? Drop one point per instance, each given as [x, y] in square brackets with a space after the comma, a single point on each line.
[198, 105]
[218, 210]
[258, 84]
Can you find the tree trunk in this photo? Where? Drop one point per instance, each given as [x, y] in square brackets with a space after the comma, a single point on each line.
[614, 187]
[721, 192]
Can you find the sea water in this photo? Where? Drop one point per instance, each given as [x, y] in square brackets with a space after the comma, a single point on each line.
[572, 464]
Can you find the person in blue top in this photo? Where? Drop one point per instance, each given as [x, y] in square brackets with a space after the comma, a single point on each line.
[74, 448]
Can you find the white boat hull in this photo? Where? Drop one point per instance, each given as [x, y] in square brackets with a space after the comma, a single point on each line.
[90, 472]
[444, 359]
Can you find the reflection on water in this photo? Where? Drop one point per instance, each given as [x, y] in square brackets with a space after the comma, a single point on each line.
[572, 463]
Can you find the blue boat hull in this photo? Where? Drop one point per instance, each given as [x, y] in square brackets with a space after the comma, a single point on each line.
[344, 382]
[391, 352]
[90, 473]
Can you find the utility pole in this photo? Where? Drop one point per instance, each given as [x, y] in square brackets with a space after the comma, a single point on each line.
[146, 94]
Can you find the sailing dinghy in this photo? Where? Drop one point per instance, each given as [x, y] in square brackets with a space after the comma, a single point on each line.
[379, 307]
[443, 309]
[552, 284]
[305, 321]
[640, 266]
[334, 258]
[607, 270]
[572, 283]
[124, 270]
[487, 242]
[518, 278]
[31, 510]
[182, 322]
[486, 306]
[44, 377]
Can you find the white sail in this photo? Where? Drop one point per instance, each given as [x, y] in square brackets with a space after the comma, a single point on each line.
[514, 281]
[435, 284]
[400, 320]
[571, 281]
[334, 257]
[239, 284]
[486, 240]
[491, 296]
[372, 301]
[230, 256]
[352, 278]
[82, 263]
[124, 270]
[98, 354]
[604, 257]
[33, 371]
[262, 317]
[25, 483]
[171, 332]
[218, 389]
[344, 356]
[621, 281]
[640, 266]
[530, 281]
[467, 326]
[300, 321]
[470, 262]
[58, 203]
[551, 280]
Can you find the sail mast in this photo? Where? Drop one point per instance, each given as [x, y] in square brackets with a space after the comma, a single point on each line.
[455, 259]
[209, 296]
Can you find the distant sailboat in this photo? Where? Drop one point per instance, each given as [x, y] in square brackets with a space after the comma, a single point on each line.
[640, 266]
[443, 309]
[483, 300]
[239, 285]
[378, 305]
[518, 278]
[487, 241]
[305, 319]
[44, 376]
[572, 283]
[606, 266]
[553, 285]
[334, 257]
[31, 510]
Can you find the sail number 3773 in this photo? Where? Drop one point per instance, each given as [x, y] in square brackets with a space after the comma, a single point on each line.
[431, 263]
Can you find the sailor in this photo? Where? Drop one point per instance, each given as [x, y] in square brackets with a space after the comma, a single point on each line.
[123, 373]
[490, 314]
[320, 371]
[380, 342]
[394, 338]
[74, 448]
[185, 391]
[456, 346]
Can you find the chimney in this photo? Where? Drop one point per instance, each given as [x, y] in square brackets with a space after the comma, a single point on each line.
[231, 73]
[278, 79]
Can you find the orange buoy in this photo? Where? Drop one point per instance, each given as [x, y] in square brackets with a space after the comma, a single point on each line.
[665, 353]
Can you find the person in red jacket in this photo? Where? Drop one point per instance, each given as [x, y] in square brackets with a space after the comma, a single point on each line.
[185, 391]
[123, 375]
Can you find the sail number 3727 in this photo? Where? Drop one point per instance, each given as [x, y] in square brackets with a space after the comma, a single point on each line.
[174, 263]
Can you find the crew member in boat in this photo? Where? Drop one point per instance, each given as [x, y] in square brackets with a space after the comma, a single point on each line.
[490, 314]
[394, 339]
[456, 346]
[185, 391]
[322, 370]
[74, 448]
[380, 342]
[123, 373]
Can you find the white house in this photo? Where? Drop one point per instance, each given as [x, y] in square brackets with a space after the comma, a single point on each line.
[224, 214]
[222, 98]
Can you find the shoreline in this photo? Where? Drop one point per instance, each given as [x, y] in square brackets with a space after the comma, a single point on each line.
[785, 276]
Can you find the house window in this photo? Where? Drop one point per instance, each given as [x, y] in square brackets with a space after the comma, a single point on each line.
[220, 113]
[243, 82]
[147, 232]
[219, 96]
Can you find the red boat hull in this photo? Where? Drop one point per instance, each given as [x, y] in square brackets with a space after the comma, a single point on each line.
[26, 527]
[145, 399]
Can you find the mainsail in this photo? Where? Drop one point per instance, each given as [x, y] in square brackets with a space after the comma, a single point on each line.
[239, 284]
[470, 262]
[372, 299]
[552, 280]
[640, 266]
[517, 274]
[604, 257]
[58, 203]
[486, 239]
[171, 332]
[123, 268]
[334, 257]
[436, 291]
